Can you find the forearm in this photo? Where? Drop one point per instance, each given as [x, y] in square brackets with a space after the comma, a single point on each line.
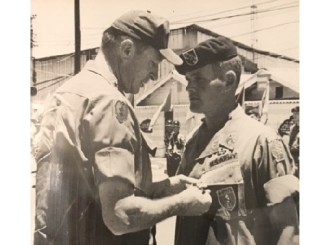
[284, 218]
[123, 212]
[289, 236]
[161, 189]
[139, 213]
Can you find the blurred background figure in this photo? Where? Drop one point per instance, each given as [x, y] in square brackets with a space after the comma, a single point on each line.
[294, 138]
[285, 127]
[174, 144]
[254, 114]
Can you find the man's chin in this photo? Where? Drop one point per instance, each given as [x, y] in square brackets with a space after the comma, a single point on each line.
[194, 108]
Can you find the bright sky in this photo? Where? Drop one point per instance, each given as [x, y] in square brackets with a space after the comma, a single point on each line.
[276, 23]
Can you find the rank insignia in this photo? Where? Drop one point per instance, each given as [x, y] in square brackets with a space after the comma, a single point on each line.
[222, 151]
[121, 111]
[190, 57]
[230, 141]
[226, 198]
[277, 150]
[215, 145]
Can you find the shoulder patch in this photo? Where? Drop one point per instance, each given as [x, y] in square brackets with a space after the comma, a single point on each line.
[277, 150]
[121, 111]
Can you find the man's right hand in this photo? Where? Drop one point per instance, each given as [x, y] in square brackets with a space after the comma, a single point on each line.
[196, 200]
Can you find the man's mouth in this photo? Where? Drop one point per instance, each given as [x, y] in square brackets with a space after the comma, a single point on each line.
[193, 98]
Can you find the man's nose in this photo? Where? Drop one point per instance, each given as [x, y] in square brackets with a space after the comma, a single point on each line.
[154, 72]
[154, 75]
[191, 87]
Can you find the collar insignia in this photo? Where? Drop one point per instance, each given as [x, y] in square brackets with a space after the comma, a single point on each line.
[121, 111]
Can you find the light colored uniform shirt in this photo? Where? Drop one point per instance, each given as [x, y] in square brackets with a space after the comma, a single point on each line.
[250, 173]
[89, 133]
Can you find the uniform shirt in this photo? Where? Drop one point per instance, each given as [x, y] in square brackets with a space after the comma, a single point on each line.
[249, 171]
[89, 133]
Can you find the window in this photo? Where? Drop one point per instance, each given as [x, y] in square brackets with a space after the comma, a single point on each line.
[279, 92]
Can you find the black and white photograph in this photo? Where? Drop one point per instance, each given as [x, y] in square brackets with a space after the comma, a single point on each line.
[164, 122]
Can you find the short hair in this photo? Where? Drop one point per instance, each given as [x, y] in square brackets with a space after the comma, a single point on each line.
[111, 37]
[233, 64]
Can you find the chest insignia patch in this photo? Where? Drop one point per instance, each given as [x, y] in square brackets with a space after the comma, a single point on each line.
[226, 198]
[121, 111]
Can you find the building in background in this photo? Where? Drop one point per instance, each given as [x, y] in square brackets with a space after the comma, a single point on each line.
[262, 72]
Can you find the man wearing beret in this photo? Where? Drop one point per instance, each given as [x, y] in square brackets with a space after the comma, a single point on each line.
[244, 163]
[94, 180]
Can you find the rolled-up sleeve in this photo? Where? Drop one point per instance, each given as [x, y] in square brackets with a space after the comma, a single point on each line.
[271, 160]
[110, 126]
[276, 185]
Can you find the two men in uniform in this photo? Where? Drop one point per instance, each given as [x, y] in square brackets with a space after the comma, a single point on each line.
[94, 182]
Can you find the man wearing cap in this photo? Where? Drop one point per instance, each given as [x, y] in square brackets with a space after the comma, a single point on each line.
[94, 181]
[244, 163]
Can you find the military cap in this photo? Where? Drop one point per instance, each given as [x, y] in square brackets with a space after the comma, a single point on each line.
[149, 28]
[207, 52]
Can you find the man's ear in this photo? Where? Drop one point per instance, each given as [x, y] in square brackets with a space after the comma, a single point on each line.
[127, 48]
[230, 79]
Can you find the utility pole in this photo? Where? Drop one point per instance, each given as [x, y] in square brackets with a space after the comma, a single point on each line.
[32, 41]
[77, 37]
[252, 21]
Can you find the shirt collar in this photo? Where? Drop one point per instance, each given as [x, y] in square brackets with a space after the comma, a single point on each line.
[238, 112]
[100, 66]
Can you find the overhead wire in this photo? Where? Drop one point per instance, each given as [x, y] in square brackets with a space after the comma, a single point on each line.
[237, 15]
[243, 21]
[266, 28]
[221, 12]
[273, 7]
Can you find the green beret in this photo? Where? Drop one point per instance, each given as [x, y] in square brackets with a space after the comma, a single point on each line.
[207, 52]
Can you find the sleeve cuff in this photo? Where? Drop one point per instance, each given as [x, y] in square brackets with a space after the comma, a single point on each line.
[278, 189]
[115, 162]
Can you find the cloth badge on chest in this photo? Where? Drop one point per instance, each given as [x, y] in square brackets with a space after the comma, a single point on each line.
[121, 111]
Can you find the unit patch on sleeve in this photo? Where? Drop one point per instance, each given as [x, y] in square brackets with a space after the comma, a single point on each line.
[277, 150]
